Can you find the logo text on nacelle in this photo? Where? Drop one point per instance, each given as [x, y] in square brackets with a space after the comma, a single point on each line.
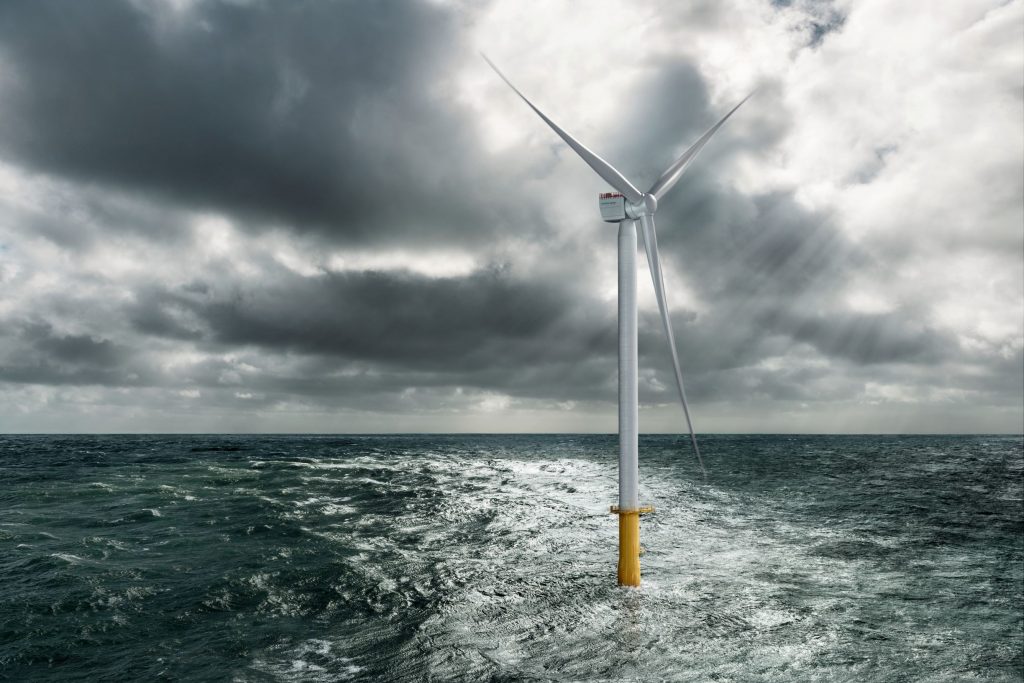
[613, 206]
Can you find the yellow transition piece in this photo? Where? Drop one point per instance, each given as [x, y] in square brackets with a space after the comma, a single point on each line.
[629, 548]
[629, 544]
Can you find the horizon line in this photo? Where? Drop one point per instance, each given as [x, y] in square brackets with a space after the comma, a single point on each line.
[615, 434]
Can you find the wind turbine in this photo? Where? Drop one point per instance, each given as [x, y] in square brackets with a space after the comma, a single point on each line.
[626, 206]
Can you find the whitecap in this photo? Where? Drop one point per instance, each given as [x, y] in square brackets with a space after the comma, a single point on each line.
[68, 557]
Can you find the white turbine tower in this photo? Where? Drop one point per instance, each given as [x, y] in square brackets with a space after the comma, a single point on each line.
[625, 207]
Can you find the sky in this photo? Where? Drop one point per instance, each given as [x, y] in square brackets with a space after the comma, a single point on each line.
[334, 217]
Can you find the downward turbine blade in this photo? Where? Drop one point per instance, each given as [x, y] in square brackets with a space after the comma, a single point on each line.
[654, 260]
[603, 168]
[675, 171]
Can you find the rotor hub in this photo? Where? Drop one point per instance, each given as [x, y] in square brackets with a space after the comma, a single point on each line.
[651, 203]
[645, 207]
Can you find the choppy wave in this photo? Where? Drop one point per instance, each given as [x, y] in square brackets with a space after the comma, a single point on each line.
[472, 558]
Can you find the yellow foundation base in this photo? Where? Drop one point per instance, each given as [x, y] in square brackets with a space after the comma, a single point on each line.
[629, 548]
[629, 544]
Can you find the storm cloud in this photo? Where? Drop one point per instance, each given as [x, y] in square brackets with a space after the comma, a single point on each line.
[332, 216]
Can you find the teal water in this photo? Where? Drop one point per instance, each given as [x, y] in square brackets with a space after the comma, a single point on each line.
[469, 558]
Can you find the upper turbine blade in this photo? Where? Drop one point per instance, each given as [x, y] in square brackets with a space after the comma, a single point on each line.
[675, 171]
[654, 260]
[603, 168]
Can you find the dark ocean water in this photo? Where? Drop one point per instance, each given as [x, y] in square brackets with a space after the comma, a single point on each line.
[469, 558]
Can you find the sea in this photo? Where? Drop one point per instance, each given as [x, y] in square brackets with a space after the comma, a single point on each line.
[493, 558]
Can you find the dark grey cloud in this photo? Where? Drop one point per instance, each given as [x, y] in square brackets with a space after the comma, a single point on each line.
[37, 354]
[400, 317]
[328, 117]
[668, 110]
[869, 338]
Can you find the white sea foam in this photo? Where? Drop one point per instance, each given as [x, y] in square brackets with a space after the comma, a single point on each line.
[313, 660]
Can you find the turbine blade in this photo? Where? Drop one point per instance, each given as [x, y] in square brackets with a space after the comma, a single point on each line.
[675, 171]
[654, 260]
[603, 168]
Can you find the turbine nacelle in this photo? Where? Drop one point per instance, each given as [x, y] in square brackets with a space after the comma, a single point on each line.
[615, 208]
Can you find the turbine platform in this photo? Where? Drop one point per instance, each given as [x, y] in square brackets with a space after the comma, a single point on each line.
[642, 510]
